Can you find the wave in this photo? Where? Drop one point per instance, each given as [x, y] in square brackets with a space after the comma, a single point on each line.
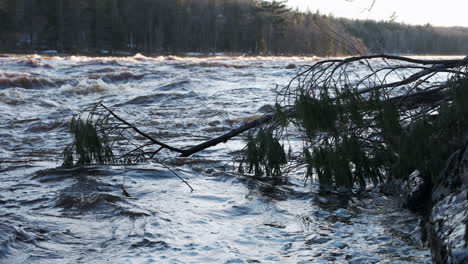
[196, 60]
[87, 87]
[28, 81]
[120, 76]
[210, 64]
[174, 84]
[12, 235]
[217, 64]
[144, 99]
[34, 63]
[38, 127]
[139, 57]
[160, 95]
[12, 96]
[154, 245]
[157, 97]
[105, 70]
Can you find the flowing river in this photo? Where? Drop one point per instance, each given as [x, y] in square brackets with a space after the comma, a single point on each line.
[54, 215]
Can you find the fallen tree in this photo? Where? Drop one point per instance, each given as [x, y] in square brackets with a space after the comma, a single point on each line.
[98, 133]
[361, 119]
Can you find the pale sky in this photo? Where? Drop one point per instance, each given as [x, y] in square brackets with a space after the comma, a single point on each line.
[435, 12]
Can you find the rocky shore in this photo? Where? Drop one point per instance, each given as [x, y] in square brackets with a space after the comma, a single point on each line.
[444, 207]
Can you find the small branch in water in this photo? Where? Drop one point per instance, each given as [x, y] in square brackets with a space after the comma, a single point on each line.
[177, 175]
[124, 191]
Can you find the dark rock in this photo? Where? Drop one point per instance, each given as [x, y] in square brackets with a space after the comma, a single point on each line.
[446, 228]
[417, 192]
[466, 230]
[445, 208]
[266, 108]
[454, 176]
[291, 66]
[214, 123]
[460, 256]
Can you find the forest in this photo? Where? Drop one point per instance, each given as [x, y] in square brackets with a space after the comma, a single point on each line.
[208, 26]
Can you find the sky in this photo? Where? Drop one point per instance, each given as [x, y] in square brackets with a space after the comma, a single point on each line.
[417, 12]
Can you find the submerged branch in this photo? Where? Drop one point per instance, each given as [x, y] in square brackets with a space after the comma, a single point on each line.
[116, 130]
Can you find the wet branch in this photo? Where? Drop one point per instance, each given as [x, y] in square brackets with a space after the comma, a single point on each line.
[226, 137]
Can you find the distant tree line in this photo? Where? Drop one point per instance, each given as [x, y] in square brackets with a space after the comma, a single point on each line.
[177, 26]
[391, 37]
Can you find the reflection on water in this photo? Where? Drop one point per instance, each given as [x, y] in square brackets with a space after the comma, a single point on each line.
[55, 215]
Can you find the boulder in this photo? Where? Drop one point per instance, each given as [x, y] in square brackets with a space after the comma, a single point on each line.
[446, 225]
[447, 229]
[417, 192]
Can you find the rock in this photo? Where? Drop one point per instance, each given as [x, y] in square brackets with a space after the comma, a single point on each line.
[454, 176]
[460, 256]
[444, 203]
[446, 229]
[214, 123]
[393, 187]
[417, 192]
[446, 226]
[287, 247]
[266, 108]
[291, 66]
[466, 232]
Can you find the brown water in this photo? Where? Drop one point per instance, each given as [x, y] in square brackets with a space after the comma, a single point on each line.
[54, 215]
